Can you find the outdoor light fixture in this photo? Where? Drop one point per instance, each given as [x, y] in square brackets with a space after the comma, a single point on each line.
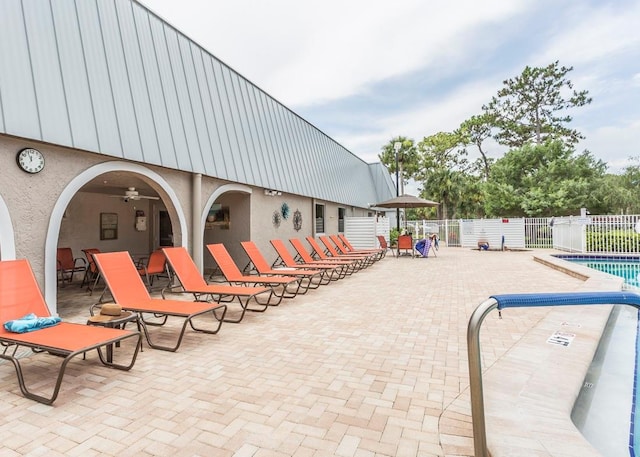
[272, 192]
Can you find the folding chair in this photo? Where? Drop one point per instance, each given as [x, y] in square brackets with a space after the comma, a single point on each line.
[383, 244]
[155, 268]
[92, 274]
[423, 247]
[405, 243]
[68, 265]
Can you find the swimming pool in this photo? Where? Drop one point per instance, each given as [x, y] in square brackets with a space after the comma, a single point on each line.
[606, 411]
[627, 268]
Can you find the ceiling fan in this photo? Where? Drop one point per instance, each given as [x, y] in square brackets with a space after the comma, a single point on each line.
[132, 194]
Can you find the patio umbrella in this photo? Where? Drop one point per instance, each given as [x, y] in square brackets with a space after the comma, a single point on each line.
[406, 201]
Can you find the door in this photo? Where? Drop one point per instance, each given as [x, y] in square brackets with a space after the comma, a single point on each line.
[166, 232]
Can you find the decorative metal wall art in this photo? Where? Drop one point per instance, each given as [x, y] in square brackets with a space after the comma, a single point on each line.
[276, 219]
[297, 220]
[284, 209]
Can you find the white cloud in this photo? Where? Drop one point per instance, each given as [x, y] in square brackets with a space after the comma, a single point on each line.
[366, 42]
[614, 144]
[311, 52]
[594, 35]
[430, 117]
[323, 54]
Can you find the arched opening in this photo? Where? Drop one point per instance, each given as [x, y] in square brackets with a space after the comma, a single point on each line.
[229, 206]
[97, 209]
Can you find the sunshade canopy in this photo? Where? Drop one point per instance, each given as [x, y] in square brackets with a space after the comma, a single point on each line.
[406, 201]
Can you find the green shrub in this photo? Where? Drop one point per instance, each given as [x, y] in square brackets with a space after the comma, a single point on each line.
[613, 241]
[393, 236]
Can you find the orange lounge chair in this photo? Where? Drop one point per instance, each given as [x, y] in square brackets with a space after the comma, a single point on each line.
[307, 257]
[378, 252]
[342, 248]
[324, 254]
[332, 250]
[332, 272]
[280, 284]
[310, 279]
[192, 282]
[128, 290]
[19, 296]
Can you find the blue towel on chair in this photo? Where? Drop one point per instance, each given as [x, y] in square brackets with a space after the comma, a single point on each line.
[30, 322]
[423, 247]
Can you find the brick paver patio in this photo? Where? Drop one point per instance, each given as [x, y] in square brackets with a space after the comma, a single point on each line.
[369, 366]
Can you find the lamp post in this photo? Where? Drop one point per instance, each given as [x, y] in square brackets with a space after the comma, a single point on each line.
[396, 147]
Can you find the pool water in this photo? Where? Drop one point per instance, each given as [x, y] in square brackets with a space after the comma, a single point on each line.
[629, 270]
[606, 411]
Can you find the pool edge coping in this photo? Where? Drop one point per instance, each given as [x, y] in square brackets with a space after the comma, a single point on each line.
[531, 413]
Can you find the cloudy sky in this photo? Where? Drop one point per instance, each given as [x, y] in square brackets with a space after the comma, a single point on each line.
[364, 71]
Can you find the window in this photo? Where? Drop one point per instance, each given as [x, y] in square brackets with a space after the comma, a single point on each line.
[341, 213]
[319, 218]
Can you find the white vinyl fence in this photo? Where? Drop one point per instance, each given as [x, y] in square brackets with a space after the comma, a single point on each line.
[591, 234]
[500, 233]
[618, 234]
[362, 231]
[447, 230]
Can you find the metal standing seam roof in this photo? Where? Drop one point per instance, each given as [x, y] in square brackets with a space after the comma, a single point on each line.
[111, 77]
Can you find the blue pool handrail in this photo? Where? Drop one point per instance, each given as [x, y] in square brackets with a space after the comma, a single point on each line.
[568, 298]
[501, 302]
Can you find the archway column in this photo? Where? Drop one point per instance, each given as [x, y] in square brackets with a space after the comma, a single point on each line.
[196, 225]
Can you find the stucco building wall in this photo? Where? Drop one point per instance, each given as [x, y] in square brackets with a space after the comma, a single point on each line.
[32, 201]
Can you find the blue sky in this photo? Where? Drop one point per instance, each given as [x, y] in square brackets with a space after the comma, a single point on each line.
[366, 71]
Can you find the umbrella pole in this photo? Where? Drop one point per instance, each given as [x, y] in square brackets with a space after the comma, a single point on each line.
[398, 227]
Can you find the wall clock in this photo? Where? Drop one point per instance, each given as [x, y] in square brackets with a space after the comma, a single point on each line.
[30, 160]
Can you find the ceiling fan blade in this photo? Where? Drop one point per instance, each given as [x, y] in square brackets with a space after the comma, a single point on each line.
[132, 194]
